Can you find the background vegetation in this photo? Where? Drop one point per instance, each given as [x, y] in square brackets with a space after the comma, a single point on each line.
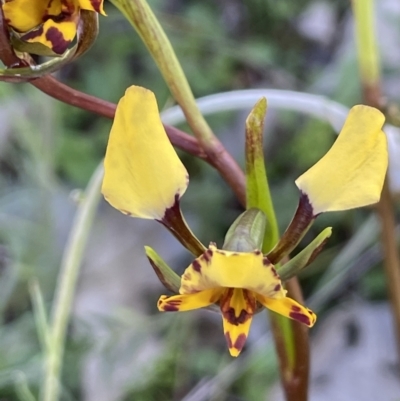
[119, 347]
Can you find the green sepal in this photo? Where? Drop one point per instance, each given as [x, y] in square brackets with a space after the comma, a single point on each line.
[165, 274]
[305, 257]
[257, 188]
[247, 232]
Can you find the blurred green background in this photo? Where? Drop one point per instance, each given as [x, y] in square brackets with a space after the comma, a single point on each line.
[119, 347]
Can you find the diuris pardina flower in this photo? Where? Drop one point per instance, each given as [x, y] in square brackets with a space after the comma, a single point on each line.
[52, 23]
[144, 178]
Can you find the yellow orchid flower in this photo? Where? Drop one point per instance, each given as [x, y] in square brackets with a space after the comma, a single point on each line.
[145, 178]
[52, 23]
[237, 281]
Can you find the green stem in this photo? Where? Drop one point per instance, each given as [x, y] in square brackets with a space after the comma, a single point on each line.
[368, 58]
[140, 15]
[66, 284]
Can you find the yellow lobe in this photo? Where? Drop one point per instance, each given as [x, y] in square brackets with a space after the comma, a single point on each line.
[288, 307]
[352, 173]
[143, 175]
[24, 15]
[55, 35]
[217, 268]
[237, 307]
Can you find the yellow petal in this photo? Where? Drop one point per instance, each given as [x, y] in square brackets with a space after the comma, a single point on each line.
[237, 307]
[351, 174]
[23, 15]
[289, 308]
[143, 174]
[218, 268]
[92, 5]
[55, 35]
[181, 303]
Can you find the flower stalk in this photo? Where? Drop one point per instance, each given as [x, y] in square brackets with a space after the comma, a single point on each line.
[66, 284]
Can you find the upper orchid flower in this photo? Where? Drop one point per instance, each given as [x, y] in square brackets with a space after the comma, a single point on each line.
[145, 178]
[51, 23]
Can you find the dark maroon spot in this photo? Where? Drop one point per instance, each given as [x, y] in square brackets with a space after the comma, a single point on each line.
[266, 262]
[296, 308]
[196, 266]
[58, 43]
[228, 339]
[170, 308]
[32, 34]
[207, 255]
[58, 18]
[171, 305]
[274, 272]
[277, 287]
[300, 318]
[96, 5]
[231, 317]
[257, 252]
[240, 341]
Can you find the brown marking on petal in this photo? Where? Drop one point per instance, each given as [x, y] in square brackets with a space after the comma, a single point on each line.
[170, 308]
[171, 305]
[296, 308]
[96, 5]
[300, 317]
[187, 276]
[196, 266]
[240, 341]
[274, 272]
[277, 287]
[257, 252]
[58, 43]
[228, 339]
[231, 317]
[266, 261]
[229, 312]
[207, 256]
[32, 34]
